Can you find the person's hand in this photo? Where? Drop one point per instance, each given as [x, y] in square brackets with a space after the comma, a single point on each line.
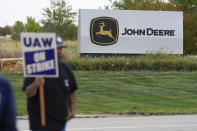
[39, 81]
[70, 116]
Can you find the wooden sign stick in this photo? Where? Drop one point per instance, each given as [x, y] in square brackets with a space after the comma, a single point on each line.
[42, 106]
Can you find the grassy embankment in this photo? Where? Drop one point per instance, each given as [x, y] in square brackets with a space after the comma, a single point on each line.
[128, 92]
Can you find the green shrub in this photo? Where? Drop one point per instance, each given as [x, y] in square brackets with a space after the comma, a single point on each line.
[150, 62]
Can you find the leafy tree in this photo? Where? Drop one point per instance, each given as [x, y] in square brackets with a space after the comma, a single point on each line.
[16, 30]
[188, 6]
[190, 33]
[123, 5]
[32, 25]
[59, 18]
[142, 5]
[5, 30]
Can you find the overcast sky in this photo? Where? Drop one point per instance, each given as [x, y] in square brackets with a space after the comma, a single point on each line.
[13, 10]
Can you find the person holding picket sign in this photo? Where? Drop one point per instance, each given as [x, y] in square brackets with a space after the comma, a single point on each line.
[60, 99]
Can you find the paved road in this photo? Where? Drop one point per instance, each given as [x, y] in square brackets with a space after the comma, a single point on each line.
[141, 123]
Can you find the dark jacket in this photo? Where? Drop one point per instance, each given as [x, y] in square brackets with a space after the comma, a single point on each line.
[7, 106]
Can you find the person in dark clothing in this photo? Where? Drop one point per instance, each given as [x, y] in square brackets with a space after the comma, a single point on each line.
[60, 99]
[7, 106]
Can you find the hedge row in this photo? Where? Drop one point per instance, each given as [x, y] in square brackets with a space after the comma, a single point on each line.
[157, 62]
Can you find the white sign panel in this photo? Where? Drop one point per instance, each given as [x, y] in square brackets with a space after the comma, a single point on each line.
[39, 54]
[130, 31]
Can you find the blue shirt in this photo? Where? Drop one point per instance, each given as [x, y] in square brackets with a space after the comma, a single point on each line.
[7, 106]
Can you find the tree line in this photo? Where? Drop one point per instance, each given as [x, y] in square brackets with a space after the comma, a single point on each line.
[58, 18]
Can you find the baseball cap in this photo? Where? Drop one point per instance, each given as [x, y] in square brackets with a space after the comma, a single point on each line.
[60, 42]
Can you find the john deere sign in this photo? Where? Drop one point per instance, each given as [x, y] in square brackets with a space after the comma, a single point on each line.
[130, 32]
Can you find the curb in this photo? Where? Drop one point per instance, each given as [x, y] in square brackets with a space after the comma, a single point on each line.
[84, 116]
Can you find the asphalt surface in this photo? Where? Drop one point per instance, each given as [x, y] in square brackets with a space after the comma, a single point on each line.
[137, 123]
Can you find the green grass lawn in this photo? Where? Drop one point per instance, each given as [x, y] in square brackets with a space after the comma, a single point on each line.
[128, 92]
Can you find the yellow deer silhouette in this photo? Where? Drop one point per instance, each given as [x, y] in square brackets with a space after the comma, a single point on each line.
[104, 32]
